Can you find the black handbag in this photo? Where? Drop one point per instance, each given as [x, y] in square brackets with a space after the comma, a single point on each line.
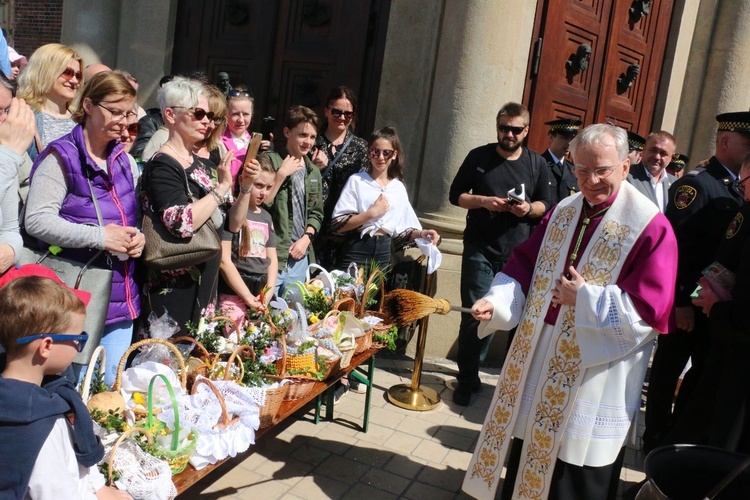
[165, 251]
[82, 276]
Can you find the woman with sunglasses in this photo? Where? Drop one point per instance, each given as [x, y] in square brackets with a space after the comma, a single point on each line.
[339, 154]
[60, 211]
[188, 293]
[374, 203]
[49, 83]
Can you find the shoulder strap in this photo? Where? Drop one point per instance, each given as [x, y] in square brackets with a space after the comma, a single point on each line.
[338, 154]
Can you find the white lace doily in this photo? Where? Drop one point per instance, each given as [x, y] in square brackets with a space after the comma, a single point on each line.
[142, 475]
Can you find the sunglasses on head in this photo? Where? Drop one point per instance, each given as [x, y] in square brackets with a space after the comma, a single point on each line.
[239, 93]
[198, 113]
[69, 73]
[375, 153]
[509, 128]
[337, 113]
[79, 340]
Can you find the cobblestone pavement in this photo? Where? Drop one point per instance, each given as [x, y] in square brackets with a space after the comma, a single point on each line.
[405, 454]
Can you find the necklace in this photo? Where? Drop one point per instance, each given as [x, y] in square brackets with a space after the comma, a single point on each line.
[179, 156]
[584, 224]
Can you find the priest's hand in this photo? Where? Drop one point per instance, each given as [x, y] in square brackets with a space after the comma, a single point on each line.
[482, 310]
[566, 289]
[706, 297]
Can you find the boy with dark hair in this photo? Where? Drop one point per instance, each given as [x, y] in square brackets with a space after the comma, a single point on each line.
[49, 446]
[296, 197]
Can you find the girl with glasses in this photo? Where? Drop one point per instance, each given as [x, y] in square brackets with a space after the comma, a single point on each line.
[49, 83]
[338, 153]
[375, 208]
[59, 208]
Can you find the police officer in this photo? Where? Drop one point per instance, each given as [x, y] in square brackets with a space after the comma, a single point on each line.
[701, 205]
[678, 164]
[562, 182]
[636, 143]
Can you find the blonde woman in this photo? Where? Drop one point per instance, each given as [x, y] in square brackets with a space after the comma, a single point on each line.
[49, 84]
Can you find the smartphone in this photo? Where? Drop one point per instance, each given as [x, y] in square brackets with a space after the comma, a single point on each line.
[515, 198]
[252, 148]
[266, 127]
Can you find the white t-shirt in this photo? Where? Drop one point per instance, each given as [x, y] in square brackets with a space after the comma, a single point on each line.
[361, 191]
[57, 473]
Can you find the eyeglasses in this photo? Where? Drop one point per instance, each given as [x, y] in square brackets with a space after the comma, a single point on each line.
[79, 340]
[337, 113]
[238, 93]
[69, 73]
[198, 113]
[133, 129]
[375, 153]
[599, 172]
[117, 115]
[509, 128]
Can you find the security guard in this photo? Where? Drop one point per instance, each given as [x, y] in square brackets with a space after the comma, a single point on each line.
[702, 204]
[636, 143]
[678, 164]
[562, 182]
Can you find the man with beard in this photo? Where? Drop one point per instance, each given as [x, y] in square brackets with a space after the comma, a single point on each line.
[495, 224]
[650, 176]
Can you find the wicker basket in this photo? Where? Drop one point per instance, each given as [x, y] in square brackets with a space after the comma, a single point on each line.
[345, 304]
[197, 365]
[225, 420]
[270, 411]
[386, 321]
[297, 386]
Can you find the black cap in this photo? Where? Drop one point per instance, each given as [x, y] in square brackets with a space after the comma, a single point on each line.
[564, 126]
[679, 161]
[735, 122]
[635, 141]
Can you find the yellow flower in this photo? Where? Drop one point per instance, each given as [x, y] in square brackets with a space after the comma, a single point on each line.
[314, 319]
[139, 398]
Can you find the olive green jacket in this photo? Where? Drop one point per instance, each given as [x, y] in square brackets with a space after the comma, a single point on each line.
[281, 207]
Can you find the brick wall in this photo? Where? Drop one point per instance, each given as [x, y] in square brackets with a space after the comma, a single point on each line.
[36, 22]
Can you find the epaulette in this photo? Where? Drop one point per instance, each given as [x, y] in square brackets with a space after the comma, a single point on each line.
[696, 171]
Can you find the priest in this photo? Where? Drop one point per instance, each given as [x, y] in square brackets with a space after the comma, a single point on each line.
[589, 290]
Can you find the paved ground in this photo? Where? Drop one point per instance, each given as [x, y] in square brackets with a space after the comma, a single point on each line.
[405, 454]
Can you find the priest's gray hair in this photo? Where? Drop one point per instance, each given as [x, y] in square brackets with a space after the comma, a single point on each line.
[598, 134]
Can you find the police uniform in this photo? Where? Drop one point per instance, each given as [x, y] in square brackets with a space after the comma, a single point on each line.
[678, 163]
[701, 206]
[635, 141]
[562, 182]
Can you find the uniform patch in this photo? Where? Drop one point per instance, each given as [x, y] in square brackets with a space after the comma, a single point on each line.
[684, 196]
[735, 225]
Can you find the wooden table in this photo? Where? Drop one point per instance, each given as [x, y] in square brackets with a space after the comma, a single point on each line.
[190, 476]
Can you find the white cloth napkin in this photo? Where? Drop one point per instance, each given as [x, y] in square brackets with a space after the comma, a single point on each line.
[434, 257]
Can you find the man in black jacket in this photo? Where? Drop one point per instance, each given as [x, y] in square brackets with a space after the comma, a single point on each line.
[496, 223]
[562, 182]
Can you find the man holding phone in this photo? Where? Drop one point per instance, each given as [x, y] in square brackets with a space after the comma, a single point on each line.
[495, 224]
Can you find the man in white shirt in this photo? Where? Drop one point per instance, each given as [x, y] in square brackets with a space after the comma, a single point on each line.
[650, 176]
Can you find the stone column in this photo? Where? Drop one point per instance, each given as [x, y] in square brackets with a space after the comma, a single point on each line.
[717, 81]
[447, 70]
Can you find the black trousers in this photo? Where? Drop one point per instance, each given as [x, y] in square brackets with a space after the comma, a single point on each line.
[569, 482]
[362, 251]
[672, 353]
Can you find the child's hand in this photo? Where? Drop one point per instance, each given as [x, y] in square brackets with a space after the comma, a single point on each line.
[299, 248]
[249, 173]
[380, 207]
[109, 493]
[252, 301]
[291, 166]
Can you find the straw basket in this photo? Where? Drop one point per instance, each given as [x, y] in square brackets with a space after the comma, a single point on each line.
[86, 385]
[365, 342]
[200, 365]
[274, 397]
[176, 456]
[224, 421]
[298, 386]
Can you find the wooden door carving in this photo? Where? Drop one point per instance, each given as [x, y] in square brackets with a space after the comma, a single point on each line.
[603, 90]
[286, 51]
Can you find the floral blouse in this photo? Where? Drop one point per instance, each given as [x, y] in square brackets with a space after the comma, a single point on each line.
[351, 161]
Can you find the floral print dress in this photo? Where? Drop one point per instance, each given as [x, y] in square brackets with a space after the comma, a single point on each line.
[186, 294]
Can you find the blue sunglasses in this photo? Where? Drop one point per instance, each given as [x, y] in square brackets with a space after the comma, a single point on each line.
[79, 340]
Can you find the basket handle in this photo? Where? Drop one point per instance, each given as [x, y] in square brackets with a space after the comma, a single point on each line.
[370, 280]
[86, 385]
[117, 444]
[196, 343]
[138, 345]
[345, 304]
[227, 318]
[150, 421]
[225, 421]
[235, 354]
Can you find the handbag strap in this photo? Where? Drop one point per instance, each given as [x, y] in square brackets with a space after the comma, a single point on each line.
[338, 154]
[95, 201]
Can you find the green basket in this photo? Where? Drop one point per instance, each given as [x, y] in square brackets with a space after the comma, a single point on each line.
[177, 457]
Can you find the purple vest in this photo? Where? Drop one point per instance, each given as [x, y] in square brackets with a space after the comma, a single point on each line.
[115, 194]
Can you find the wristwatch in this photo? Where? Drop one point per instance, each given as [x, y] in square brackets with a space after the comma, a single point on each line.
[310, 235]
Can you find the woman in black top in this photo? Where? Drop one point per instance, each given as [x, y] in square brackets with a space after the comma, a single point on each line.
[338, 153]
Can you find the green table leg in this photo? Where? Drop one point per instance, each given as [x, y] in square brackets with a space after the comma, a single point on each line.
[366, 378]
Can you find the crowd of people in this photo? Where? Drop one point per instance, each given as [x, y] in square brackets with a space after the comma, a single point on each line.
[586, 253]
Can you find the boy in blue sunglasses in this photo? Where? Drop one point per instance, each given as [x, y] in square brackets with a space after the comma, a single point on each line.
[49, 446]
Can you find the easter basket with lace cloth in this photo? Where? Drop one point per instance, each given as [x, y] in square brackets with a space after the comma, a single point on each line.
[138, 472]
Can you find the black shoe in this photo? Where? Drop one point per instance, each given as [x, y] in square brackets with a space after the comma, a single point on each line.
[463, 391]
